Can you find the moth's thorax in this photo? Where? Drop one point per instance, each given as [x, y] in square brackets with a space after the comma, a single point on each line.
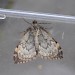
[35, 26]
[35, 30]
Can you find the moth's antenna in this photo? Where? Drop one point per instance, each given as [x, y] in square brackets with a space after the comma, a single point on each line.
[27, 21]
[44, 23]
[33, 21]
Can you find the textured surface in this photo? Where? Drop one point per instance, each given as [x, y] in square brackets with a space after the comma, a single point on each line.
[10, 36]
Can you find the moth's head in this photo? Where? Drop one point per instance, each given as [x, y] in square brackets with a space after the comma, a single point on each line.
[34, 22]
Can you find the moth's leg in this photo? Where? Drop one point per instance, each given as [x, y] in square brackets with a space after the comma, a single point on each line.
[24, 32]
[60, 54]
[15, 57]
[48, 28]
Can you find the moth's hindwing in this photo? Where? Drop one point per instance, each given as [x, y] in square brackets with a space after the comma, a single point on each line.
[48, 47]
[25, 51]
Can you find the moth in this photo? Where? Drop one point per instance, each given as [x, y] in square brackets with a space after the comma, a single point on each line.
[37, 41]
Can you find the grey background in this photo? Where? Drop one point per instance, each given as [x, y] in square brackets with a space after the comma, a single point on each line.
[10, 36]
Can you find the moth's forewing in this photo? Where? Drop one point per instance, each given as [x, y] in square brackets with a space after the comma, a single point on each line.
[25, 51]
[48, 47]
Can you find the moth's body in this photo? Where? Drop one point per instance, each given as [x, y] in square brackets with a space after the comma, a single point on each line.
[36, 34]
[37, 42]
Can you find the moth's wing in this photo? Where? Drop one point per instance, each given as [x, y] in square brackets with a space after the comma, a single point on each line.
[25, 51]
[48, 47]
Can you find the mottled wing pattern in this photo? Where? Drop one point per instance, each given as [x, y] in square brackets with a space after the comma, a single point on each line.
[25, 51]
[48, 47]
